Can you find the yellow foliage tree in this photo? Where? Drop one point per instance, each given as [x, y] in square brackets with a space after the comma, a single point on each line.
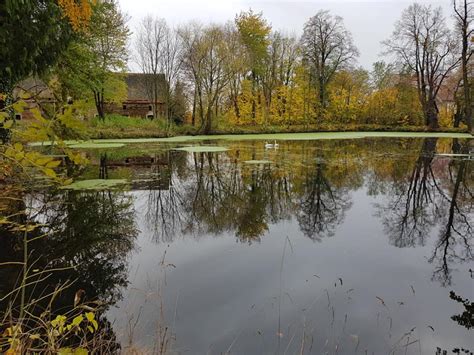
[78, 12]
[398, 105]
[347, 96]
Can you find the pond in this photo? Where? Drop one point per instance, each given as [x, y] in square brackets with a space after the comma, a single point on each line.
[360, 245]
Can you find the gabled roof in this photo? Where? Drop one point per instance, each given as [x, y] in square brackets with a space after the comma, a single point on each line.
[139, 86]
[34, 88]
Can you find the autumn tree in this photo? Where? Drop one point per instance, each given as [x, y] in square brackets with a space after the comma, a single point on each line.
[94, 61]
[463, 20]
[236, 65]
[279, 68]
[205, 52]
[382, 75]
[78, 12]
[107, 43]
[254, 32]
[422, 43]
[327, 47]
[157, 48]
[348, 93]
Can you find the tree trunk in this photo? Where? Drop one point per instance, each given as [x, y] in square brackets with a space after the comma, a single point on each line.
[193, 117]
[208, 120]
[467, 99]
[99, 104]
[432, 115]
[464, 67]
[254, 104]
[236, 107]
[235, 102]
[155, 99]
[322, 92]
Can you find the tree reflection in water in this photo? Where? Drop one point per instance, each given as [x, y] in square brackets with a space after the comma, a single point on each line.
[223, 194]
[321, 205]
[455, 241]
[85, 237]
[219, 193]
[409, 216]
[437, 192]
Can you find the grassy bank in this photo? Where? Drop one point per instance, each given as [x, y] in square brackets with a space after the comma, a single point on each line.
[115, 127]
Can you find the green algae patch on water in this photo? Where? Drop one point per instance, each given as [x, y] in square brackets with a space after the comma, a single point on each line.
[203, 149]
[270, 137]
[93, 145]
[95, 184]
[258, 162]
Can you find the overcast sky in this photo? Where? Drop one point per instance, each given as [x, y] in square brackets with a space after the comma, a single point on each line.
[370, 21]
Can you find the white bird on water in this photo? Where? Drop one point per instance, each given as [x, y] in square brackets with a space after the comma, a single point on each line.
[270, 145]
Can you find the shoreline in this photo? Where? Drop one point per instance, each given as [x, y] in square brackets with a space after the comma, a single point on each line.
[137, 133]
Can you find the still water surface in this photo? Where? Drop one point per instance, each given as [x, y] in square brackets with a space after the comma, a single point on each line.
[316, 246]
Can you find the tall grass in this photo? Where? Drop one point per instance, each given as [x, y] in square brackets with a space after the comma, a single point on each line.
[118, 121]
[117, 126]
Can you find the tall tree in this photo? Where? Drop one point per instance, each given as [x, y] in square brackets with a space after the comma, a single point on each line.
[463, 17]
[205, 52]
[327, 47]
[107, 43]
[236, 66]
[149, 45]
[279, 67]
[254, 33]
[157, 48]
[94, 60]
[422, 43]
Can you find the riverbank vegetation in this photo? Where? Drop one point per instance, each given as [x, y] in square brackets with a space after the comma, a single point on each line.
[116, 127]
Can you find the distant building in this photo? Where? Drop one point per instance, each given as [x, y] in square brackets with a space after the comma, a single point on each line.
[138, 103]
[36, 94]
[140, 99]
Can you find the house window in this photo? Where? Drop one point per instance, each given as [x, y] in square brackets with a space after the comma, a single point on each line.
[18, 117]
[124, 107]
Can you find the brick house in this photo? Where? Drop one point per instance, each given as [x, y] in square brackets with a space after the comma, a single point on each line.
[140, 101]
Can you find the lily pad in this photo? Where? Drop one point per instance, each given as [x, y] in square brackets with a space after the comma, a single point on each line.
[92, 145]
[95, 184]
[202, 149]
[256, 162]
